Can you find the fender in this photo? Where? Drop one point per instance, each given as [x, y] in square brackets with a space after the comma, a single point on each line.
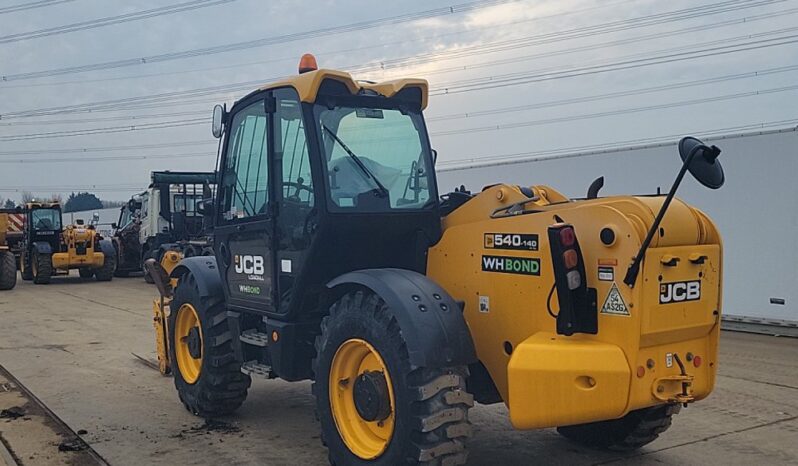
[205, 272]
[107, 247]
[42, 247]
[438, 336]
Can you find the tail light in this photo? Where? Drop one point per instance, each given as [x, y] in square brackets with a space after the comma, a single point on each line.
[578, 307]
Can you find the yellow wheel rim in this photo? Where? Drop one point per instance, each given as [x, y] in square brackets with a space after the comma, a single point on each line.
[366, 439]
[188, 320]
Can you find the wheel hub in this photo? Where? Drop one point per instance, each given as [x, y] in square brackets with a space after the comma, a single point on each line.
[194, 343]
[371, 396]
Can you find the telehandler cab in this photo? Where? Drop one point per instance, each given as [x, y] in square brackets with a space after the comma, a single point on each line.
[336, 261]
[48, 247]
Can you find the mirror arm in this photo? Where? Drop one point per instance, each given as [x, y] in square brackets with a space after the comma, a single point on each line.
[634, 267]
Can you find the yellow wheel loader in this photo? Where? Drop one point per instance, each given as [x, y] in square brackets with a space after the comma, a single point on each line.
[337, 260]
[49, 248]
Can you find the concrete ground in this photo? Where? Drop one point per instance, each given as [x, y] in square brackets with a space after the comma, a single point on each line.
[71, 343]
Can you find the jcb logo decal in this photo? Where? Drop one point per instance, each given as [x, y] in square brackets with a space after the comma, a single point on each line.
[677, 292]
[250, 265]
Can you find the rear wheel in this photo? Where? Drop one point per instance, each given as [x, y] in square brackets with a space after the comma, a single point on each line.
[86, 272]
[207, 375]
[42, 268]
[374, 406]
[636, 429]
[106, 272]
[8, 270]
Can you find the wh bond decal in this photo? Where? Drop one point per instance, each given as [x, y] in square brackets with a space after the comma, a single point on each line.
[516, 265]
[678, 292]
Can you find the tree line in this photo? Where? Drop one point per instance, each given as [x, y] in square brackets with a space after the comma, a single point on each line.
[75, 202]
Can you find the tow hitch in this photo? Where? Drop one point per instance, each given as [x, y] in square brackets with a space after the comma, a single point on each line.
[685, 379]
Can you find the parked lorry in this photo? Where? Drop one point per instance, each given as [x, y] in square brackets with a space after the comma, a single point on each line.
[163, 218]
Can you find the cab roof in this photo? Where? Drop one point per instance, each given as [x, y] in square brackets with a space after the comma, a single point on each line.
[307, 85]
[42, 205]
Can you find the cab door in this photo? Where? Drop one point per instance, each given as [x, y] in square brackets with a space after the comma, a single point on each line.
[244, 230]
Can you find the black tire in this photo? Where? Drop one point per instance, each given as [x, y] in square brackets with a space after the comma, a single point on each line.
[42, 268]
[26, 268]
[431, 404]
[636, 429]
[106, 272]
[221, 387]
[145, 256]
[8, 270]
[86, 272]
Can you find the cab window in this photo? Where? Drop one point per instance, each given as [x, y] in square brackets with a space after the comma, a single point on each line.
[46, 219]
[244, 191]
[376, 158]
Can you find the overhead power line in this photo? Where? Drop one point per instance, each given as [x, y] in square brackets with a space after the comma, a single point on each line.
[473, 114]
[117, 104]
[111, 20]
[31, 5]
[347, 51]
[576, 151]
[522, 124]
[625, 111]
[572, 151]
[513, 79]
[86, 150]
[489, 82]
[304, 35]
[106, 130]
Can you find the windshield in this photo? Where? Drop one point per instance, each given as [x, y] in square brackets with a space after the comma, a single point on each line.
[187, 203]
[373, 152]
[46, 219]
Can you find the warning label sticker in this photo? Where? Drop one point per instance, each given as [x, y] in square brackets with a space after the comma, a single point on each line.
[614, 303]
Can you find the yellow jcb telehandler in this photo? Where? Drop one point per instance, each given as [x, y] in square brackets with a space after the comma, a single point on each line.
[336, 260]
[49, 247]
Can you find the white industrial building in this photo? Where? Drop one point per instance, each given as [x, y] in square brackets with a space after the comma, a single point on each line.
[755, 210]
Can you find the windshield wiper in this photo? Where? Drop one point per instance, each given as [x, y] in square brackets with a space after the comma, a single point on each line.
[380, 187]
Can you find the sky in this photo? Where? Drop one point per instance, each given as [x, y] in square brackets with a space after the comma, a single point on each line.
[507, 78]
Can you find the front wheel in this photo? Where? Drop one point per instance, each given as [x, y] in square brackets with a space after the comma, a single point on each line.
[106, 272]
[42, 268]
[374, 406]
[636, 429]
[8, 270]
[207, 375]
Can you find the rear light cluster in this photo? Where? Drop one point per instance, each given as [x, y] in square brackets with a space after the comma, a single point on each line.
[578, 312]
[570, 257]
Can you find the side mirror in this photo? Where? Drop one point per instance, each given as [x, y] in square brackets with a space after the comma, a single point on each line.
[704, 165]
[205, 207]
[114, 226]
[218, 121]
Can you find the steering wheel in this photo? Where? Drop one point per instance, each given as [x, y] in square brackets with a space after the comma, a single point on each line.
[300, 186]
